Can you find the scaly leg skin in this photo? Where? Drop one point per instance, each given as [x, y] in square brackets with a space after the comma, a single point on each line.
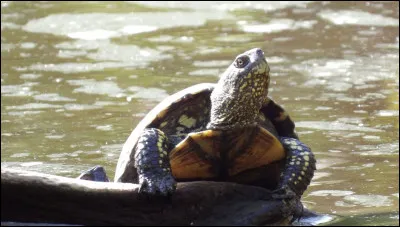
[300, 163]
[297, 174]
[299, 167]
[152, 163]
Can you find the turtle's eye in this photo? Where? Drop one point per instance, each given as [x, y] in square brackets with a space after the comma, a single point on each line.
[242, 61]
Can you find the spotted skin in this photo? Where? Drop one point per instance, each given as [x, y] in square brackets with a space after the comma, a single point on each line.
[151, 161]
[300, 166]
[240, 93]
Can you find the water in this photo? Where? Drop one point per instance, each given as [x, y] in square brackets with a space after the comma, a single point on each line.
[76, 78]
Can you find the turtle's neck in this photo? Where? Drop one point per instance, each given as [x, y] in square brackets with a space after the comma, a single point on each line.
[240, 92]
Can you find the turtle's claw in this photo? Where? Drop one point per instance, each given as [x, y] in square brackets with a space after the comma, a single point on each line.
[298, 214]
[283, 193]
[293, 207]
[146, 187]
[157, 184]
[167, 185]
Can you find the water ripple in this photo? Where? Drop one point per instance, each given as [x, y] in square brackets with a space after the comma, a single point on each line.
[367, 200]
[334, 126]
[52, 97]
[97, 26]
[357, 18]
[91, 86]
[33, 106]
[331, 193]
[277, 25]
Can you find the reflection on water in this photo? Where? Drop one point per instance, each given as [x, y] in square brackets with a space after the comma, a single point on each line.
[76, 77]
[357, 18]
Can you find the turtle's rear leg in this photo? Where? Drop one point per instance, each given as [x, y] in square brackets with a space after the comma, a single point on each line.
[96, 173]
[152, 163]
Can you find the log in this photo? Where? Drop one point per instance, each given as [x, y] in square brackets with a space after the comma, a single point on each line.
[42, 198]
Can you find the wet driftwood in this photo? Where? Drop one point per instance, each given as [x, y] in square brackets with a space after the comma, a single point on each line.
[43, 198]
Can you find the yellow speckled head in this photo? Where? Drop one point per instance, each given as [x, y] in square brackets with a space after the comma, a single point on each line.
[240, 92]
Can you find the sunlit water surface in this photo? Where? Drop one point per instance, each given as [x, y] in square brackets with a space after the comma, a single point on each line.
[76, 78]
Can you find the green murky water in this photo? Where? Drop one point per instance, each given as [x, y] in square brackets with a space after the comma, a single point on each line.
[76, 77]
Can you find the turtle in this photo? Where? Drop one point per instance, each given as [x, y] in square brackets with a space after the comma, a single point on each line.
[226, 131]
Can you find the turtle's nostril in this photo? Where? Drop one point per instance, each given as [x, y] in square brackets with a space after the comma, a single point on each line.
[260, 52]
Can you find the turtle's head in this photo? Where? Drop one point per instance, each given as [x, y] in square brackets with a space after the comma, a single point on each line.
[241, 92]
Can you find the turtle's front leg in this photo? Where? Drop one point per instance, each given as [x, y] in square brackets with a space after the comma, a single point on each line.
[152, 163]
[298, 171]
[300, 161]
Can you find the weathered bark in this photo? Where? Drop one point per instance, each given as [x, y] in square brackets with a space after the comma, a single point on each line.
[36, 197]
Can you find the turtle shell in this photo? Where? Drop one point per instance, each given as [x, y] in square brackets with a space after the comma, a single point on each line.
[197, 153]
[223, 154]
[173, 116]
